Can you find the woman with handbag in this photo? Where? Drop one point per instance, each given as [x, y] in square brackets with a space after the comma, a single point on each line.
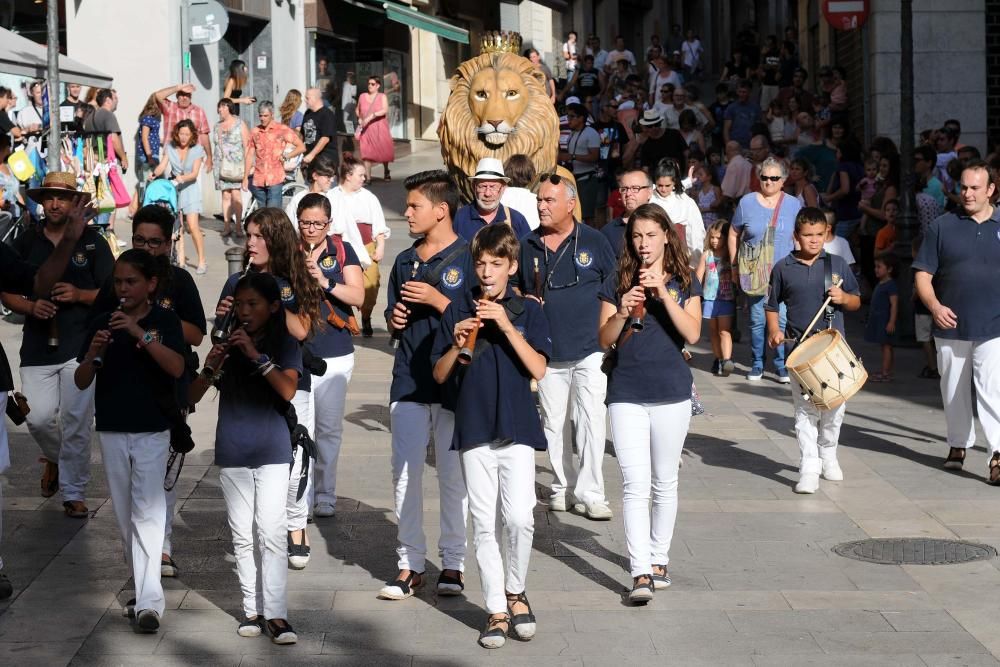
[372, 129]
[230, 139]
[760, 236]
[185, 157]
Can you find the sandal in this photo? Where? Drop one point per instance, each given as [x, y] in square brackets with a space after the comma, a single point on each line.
[402, 587]
[956, 459]
[994, 478]
[642, 590]
[880, 377]
[660, 581]
[495, 633]
[450, 584]
[524, 624]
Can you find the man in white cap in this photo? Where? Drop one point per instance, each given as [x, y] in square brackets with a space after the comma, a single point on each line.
[490, 183]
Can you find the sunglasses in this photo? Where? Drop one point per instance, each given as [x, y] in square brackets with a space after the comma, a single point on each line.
[773, 179]
[553, 178]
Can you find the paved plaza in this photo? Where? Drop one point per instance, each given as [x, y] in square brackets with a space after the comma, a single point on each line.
[754, 579]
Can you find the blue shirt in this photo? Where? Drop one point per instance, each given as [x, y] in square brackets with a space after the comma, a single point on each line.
[494, 403]
[571, 277]
[743, 115]
[964, 258]
[329, 342]
[250, 431]
[802, 288]
[412, 378]
[468, 221]
[651, 367]
[751, 219]
[614, 232]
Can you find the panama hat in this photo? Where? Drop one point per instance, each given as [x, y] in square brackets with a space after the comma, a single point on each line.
[57, 182]
[651, 117]
[490, 169]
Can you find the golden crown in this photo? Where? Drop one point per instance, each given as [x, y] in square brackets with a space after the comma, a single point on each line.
[496, 41]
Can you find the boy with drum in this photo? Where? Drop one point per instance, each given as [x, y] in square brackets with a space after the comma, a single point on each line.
[802, 281]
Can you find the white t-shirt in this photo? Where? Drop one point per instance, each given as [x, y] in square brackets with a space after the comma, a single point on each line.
[349, 209]
[840, 247]
[660, 80]
[683, 210]
[616, 55]
[571, 50]
[671, 116]
[581, 143]
[524, 201]
[691, 51]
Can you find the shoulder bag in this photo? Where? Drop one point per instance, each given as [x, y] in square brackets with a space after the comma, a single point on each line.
[755, 260]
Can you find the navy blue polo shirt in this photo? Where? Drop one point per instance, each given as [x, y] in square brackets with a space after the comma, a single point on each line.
[494, 403]
[250, 431]
[451, 270]
[964, 258]
[651, 367]
[802, 288]
[89, 267]
[468, 221]
[614, 232]
[571, 278]
[329, 342]
[124, 398]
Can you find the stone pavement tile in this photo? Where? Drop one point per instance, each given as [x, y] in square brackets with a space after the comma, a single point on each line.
[682, 599]
[963, 586]
[38, 599]
[778, 577]
[676, 646]
[924, 643]
[616, 644]
[981, 624]
[650, 618]
[22, 624]
[983, 510]
[946, 660]
[297, 600]
[112, 642]
[22, 503]
[921, 621]
[976, 531]
[37, 654]
[845, 660]
[875, 577]
[229, 643]
[791, 505]
[901, 510]
[366, 600]
[814, 620]
[156, 661]
[371, 660]
[884, 600]
[923, 527]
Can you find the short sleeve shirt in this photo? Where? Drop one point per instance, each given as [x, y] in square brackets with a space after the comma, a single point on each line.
[329, 341]
[743, 115]
[802, 288]
[268, 146]
[494, 402]
[963, 257]
[751, 220]
[468, 221]
[102, 120]
[319, 124]
[580, 144]
[614, 232]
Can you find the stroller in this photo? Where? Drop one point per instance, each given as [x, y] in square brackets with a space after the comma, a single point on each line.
[161, 192]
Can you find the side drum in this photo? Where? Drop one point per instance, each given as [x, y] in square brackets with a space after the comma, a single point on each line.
[826, 369]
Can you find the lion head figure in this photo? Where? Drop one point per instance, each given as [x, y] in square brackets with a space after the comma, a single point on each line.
[497, 108]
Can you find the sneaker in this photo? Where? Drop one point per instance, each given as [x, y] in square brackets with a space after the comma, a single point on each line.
[558, 504]
[783, 376]
[6, 588]
[808, 483]
[298, 556]
[598, 511]
[717, 367]
[324, 510]
[832, 471]
[281, 631]
[147, 621]
[76, 509]
[202, 269]
[168, 568]
[727, 368]
[756, 374]
[251, 627]
[641, 593]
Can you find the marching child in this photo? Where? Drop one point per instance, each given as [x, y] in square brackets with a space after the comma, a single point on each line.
[799, 281]
[505, 342]
[256, 370]
[719, 299]
[136, 353]
[884, 312]
[425, 279]
[649, 310]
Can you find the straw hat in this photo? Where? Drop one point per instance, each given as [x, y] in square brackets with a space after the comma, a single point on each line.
[57, 182]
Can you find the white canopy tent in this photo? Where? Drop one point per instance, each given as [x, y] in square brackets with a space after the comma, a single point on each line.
[22, 57]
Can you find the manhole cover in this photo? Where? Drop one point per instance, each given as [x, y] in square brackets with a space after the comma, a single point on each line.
[914, 551]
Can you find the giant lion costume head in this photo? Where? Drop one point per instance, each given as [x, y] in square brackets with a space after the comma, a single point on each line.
[497, 108]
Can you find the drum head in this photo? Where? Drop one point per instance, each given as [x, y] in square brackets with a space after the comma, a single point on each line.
[812, 347]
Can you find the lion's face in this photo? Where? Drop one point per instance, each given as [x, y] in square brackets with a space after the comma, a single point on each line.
[497, 98]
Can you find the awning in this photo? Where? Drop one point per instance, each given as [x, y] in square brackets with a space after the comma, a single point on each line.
[23, 57]
[413, 18]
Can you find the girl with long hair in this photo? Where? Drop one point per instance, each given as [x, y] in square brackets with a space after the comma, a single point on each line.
[256, 370]
[136, 355]
[649, 387]
[289, 110]
[236, 81]
[185, 157]
[147, 139]
[718, 295]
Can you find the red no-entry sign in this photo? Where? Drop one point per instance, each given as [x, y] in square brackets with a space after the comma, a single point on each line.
[846, 14]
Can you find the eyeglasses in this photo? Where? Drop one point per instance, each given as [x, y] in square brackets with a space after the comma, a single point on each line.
[143, 242]
[634, 189]
[773, 179]
[317, 224]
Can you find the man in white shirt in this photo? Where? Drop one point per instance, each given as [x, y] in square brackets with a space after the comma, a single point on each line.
[620, 52]
[594, 49]
[664, 74]
[691, 51]
[679, 103]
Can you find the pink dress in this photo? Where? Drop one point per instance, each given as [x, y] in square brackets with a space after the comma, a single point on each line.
[376, 142]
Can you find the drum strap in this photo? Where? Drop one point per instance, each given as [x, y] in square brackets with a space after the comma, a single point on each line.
[827, 284]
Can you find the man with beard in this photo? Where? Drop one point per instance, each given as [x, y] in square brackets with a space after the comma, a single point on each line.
[490, 183]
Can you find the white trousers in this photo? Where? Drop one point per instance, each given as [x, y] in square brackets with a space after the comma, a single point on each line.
[578, 387]
[648, 441]
[505, 475]
[298, 509]
[253, 497]
[168, 527]
[61, 421]
[135, 464]
[962, 363]
[4, 459]
[329, 393]
[818, 432]
[412, 425]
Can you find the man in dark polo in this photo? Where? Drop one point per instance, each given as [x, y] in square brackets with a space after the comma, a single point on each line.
[957, 271]
[489, 182]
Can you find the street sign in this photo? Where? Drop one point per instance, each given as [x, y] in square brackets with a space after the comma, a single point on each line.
[209, 21]
[846, 14]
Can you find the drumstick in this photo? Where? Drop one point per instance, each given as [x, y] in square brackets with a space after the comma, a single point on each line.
[818, 313]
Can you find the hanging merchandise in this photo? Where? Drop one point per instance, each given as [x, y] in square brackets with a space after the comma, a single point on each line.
[118, 189]
[105, 199]
[20, 165]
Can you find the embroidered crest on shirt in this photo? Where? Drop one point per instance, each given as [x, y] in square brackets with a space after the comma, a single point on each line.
[584, 259]
[154, 335]
[286, 292]
[328, 262]
[80, 259]
[452, 277]
[835, 277]
[166, 303]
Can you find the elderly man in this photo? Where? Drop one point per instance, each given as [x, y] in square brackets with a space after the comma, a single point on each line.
[490, 184]
[636, 188]
[563, 265]
[319, 129]
[265, 155]
[185, 109]
[55, 328]
[672, 113]
[957, 260]
[20, 277]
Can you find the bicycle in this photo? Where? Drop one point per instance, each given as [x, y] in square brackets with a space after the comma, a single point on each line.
[288, 190]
